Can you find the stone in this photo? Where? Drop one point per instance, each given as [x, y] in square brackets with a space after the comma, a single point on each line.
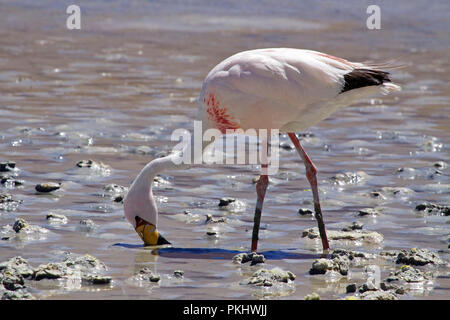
[226, 201]
[433, 208]
[305, 211]
[356, 235]
[47, 187]
[312, 296]
[419, 257]
[369, 212]
[251, 257]
[268, 278]
[323, 265]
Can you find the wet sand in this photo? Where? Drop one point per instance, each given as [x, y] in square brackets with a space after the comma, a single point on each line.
[114, 92]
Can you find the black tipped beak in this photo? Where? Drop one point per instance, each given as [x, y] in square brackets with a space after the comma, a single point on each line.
[162, 240]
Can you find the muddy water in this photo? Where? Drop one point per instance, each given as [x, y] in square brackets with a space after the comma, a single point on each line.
[115, 90]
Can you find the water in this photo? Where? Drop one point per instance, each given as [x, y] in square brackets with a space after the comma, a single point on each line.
[132, 75]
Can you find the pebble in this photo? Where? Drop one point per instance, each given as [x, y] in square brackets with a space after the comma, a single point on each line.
[349, 178]
[211, 219]
[354, 226]
[86, 225]
[369, 212]
[7, 202]
[7, 166]
[178, 273]
[305, 211]
[356, 235]
[351, 288]
[419, 257]
[312, 296]
[54, 218]
[226, 201]
[147, 275]
[409, 274]
[434, 208]
[323, 265]
[253, 257]
[47, 187]
[96, 279]
[268, 278]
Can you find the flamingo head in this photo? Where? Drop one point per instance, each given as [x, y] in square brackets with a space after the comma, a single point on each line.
[148, 233]
[141, 211]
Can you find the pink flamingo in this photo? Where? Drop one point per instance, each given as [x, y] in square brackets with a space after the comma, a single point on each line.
[277, 88]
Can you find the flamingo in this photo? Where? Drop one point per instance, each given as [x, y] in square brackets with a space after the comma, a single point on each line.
[275, 88]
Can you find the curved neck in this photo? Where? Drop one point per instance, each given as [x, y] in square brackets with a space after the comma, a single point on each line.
[139, 200]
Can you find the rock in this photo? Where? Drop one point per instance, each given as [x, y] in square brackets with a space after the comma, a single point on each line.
[351, 288]
[323, 265]
[113, 188]
[97, 167]
[409, 274]
[356, 235]
[378, 295]
[7, 202]
[433, 208]
[47, 187]
[178, 273]
[9, 182]
[54, 218]
[50, 271]
[419, 257]
[17, 295]
[159, 181]
[96, 279]
[146, 274]
[19, 265]
[226, 201]
[349, 178]
[393, 191]
[253, 257]
[210, 219]
[7, 166]
[20, 224]
[85, 263]
[12, 280]
[267, 278]
[90, 164]
[356, 258]
[86, 225]
[354, 226]
[116, 192]
[305, 211]
[369, 212]
[440, 165]
[392, 287]
[286, 146]
[312, 296]
[368, 286]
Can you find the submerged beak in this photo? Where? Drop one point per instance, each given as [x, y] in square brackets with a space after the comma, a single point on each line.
[149, 234]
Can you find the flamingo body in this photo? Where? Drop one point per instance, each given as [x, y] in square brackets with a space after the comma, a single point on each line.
[279, 88]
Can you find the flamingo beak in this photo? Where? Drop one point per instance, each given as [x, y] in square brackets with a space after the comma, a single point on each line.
[150, 235]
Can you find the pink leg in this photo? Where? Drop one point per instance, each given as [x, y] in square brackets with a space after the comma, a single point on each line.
[311, 173]
[261, 187]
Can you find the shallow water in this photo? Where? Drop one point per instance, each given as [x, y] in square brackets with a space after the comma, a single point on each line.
[115, 90]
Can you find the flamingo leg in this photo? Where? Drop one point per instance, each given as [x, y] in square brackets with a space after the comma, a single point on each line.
[261, 188]
[311, 173]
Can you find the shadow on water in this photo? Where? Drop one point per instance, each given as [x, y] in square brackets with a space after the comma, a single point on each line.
[217, 253]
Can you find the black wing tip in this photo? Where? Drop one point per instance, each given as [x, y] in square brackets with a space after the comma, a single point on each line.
[360, 77]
